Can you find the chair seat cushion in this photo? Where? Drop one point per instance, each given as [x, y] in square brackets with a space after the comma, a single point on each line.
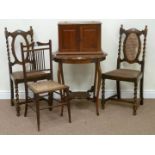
[19, 77]
[122, 74]
[45, 86]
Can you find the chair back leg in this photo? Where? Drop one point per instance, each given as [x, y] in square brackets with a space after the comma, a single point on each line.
[103, 94]
[12, 93]
[141, 92]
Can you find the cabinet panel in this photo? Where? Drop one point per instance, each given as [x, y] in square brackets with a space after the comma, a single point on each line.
[69, 38]
[79, 38]
[90, 38]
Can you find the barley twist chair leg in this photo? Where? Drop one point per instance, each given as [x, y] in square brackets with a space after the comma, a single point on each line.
[141, 92]
[17, 100]
[12, 93]
[135, 99]
[103, 94]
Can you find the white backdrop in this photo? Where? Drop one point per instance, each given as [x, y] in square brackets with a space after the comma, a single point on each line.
[80, 77]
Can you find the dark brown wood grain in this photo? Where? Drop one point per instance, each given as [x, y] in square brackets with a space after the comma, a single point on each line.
[16, 77]
[35, 67]
[80, 43]
[82, 59]
[79, 38]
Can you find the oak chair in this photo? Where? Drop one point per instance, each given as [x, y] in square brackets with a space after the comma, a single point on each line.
[37, 60]
[13, 40]
[16, 77]
[132, 45]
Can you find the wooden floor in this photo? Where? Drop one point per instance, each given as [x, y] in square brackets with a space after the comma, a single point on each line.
[116, 119]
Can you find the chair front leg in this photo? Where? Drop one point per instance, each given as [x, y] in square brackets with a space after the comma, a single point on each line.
[68, 105]
[50, 100]
[103, 94]
[26, 107]
[118, 89]
[135, 99]
[17, 100]
[37, 110]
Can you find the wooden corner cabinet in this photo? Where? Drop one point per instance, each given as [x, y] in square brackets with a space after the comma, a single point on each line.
[79, 38]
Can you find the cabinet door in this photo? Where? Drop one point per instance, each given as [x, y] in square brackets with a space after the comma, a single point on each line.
[69, 38]
[90, 37]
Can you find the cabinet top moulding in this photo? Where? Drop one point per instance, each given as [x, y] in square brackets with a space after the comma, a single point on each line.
[78, 22]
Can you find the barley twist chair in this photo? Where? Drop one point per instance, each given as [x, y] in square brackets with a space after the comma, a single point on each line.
[14, 60]
[36, 60]
[13, 40]
[132, 45]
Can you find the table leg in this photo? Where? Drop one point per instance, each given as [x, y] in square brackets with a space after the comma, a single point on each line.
[95, 78]
[98, 84]
[61, 81]
[60, 74]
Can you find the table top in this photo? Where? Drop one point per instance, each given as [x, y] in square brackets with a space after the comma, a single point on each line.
[79, 59]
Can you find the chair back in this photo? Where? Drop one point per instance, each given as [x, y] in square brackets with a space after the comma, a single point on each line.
[13, 40]
[37, 59]
[132, 45]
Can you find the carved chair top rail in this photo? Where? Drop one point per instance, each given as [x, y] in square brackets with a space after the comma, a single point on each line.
[11, 40]
[132, 45]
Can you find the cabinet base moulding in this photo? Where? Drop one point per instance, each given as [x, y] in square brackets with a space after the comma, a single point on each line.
[79, 53]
